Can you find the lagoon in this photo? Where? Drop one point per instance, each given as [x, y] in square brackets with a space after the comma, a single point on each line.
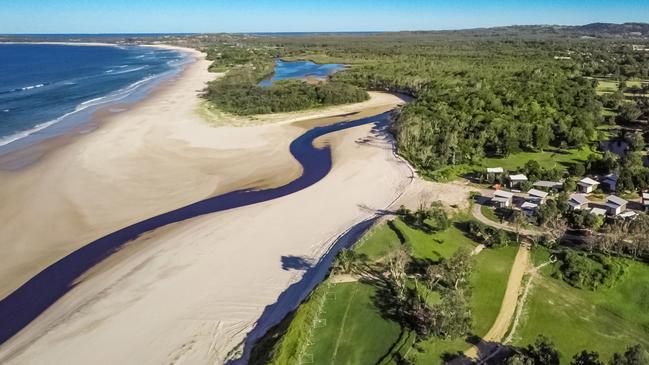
[300, 70]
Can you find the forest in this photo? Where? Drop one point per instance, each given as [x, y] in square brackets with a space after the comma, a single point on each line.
[476, 94]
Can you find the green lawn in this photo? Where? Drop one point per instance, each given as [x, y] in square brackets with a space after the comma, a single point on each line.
[609, 86]
[489, 281]
[489, 213]
[351, 330]
[607, 320]
[349, 315]
[547, 159]
[386, 237]
[378, 242]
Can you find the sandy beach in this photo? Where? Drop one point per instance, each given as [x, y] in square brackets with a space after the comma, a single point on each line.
[189, 292]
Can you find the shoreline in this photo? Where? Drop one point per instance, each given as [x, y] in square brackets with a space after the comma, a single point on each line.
[158, 156]
[81, 121]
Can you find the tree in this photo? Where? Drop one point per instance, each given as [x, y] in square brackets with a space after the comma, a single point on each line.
[635, 355]
[396, 272]
[628, 112]
[519, 220]
[453, 315]
[346, 261]
[577, 169]
[636, 141]
[543, 352]
[586, 358]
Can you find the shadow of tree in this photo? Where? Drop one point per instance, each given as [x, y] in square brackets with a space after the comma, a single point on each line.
[397, 231]
[296, 263]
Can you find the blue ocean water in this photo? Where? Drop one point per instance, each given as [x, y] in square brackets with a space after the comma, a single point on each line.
[300, 69]
[42, 85]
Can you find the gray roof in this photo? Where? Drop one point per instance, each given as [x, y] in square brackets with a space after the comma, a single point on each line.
[503, 194]
[548, 184]
[537, 193]
[598, 211]
[615, 200]
[578, 198]
[528, 205]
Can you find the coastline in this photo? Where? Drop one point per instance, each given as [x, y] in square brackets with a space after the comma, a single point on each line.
[83, 116]
[160, 155]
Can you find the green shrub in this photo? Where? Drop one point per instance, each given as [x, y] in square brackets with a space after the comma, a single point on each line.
[592, 271]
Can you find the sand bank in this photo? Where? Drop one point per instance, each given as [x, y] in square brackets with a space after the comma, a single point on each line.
[192, 290]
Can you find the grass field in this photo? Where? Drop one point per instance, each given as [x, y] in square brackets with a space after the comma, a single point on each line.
[489, 213]
[607, 320]
[548, 159]
[349, 315]
[609, 86]
[385, 238]
[351, 329]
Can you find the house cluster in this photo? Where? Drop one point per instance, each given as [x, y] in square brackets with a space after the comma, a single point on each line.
[535, 197]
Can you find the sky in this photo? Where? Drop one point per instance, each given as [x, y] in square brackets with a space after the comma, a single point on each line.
[197, 16]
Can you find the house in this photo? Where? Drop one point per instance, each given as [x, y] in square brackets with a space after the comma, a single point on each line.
[529, 208]
[495, 170]
[629, 214]
[615, 205]
[536, 196]
[610, 182]
[548, 185]
[578, 201]
[598, 211]
[516, 180]
[502, 199]
[645, 201]
[587, 185]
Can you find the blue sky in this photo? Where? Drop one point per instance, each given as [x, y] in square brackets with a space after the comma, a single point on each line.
[126, 16]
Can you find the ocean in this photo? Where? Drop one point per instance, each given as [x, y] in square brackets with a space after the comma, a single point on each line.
[46, 89]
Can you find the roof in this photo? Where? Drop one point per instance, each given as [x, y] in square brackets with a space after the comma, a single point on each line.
[645, 195]
[548, 184]
[500, 199]
[615, 200]
[537, 193]
[495, 170]
[628, 214]
[588, 181]
[528, 205]
[610, 178]
[578, 198]
[518, 177]
[503, 194]
[598, 211]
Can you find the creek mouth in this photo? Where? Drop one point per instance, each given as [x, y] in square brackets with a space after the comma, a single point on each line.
[26, 303]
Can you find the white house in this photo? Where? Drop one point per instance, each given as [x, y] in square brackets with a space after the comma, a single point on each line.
[645, 201]
[495, 170]
[548, 185]
[615, 205]
[529, 208]
[536, 196]
[578, 201]
[502, 199]
[516, 180]
[587, 185]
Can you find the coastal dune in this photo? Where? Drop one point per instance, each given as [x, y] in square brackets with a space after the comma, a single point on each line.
[188, 292]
